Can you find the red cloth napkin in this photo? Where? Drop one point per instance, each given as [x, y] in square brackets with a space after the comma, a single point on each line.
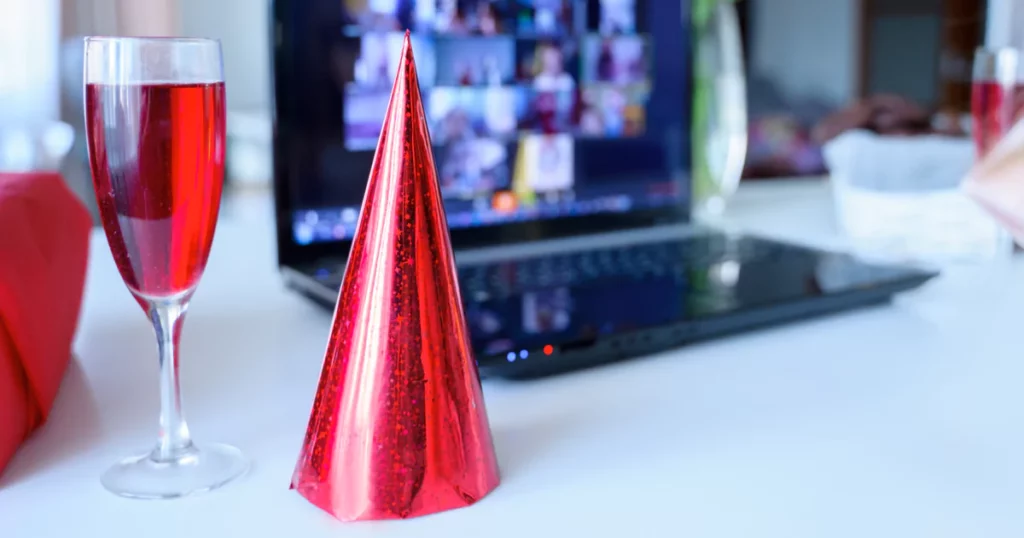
[44, 248]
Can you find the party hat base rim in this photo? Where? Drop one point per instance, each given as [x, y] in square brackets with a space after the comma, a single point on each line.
[321, 500]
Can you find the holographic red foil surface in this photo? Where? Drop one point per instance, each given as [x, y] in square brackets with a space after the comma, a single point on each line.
[398, 427]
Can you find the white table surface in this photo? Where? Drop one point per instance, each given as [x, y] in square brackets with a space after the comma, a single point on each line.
[905, 420]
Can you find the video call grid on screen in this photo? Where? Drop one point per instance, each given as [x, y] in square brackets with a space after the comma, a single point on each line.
[503, 78]
[536, 104]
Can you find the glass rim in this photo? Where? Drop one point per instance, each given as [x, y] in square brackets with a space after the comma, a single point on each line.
[1002, 64]
[1001, 50]
[153, 39]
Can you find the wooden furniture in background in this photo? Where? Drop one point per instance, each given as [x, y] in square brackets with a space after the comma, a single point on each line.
[922, 49]
[963, 32]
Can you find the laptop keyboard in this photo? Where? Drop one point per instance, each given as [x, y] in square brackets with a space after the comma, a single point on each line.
[577, 269]
[635, 262]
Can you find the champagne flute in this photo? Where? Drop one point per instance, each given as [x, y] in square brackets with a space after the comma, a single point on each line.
[720, 112]
[996, 98]
[155, 124]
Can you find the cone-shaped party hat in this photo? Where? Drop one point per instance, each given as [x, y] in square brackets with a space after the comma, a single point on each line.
[398, 427]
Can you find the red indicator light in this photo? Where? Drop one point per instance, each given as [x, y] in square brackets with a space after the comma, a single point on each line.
[548, 349]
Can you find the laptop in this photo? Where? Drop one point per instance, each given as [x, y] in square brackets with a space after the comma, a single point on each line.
[561, 138]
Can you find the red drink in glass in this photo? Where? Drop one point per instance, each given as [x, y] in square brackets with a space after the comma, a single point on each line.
[995, 107]
[158, 164]
[996, 95]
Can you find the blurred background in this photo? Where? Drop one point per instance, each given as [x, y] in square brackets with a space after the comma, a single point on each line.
[805, 60]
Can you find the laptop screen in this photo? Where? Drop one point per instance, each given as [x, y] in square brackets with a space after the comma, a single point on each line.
[537, 109]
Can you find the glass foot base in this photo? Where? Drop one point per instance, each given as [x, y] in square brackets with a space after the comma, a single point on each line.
[709, 210]
[197, 470]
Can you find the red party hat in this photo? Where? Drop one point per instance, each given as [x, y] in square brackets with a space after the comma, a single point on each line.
[398, 427]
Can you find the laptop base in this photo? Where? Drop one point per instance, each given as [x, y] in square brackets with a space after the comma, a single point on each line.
[534, 316]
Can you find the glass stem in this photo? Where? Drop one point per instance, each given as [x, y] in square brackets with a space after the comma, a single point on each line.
[167, 316]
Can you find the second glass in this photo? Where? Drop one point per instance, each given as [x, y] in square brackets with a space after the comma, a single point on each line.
[155, 123]
[720, 111]
[997, 96]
